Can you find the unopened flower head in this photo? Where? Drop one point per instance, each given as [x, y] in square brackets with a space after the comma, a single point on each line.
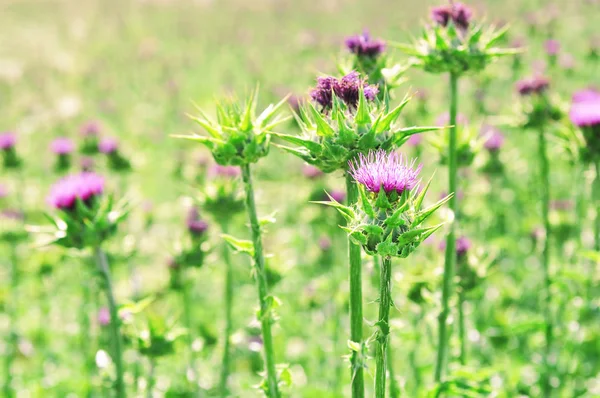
[62, 146]
[389, 171]
[463, 244]
[346, 89]
[90, 128]
[7, 141]
[108, 145]
[364, 46]
[494, 139]
[84, 187]
[195, 225]
[458, 13]
[534, 85]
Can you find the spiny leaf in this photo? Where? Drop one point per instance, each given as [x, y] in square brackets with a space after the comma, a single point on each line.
[387, 120]
[239, 245]
[306, 143]
[323, 128]
[423, 215]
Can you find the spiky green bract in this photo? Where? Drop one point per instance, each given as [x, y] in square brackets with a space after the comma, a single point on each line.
[380, 70]
[86, 225]
[448, 49]
[156, 336]
[468, 144]
[330, 140]
[222, 199]
[537, 111]
[388, 224]
[239, 136]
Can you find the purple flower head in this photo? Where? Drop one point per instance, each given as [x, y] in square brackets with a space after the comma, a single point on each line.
[444, 119]
[458, 13]
[90, 128]
[462, 244]
[13, 214]
[338, 196]
[7, 141]
[518, 42]
[311, 172]
[415, 140]
[104, 316]
[196, 226]
[84, 186]
[586, 95]
[347, 89]
[552, 47]
[108, 145]
[62, 146]
[324, 243]
[533, 85]
[388, 170]
[224, 171]
[585, 113]
[494, 139]
[364, 46]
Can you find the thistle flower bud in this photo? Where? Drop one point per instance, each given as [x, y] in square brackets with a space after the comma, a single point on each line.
[494, 139]
[346, 89]
[552, 47]
[388, 219]
[312, 172]
[585, 114]
[364, 46]
[536, 85]
[62, 147]
[221, 197]
[8, 142]
[457, 13]
[90, 131]
[108, 145]
[195, 225]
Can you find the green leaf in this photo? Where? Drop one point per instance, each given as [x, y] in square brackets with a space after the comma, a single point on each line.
[268, 219]
[366, 204]
[362, 117]
[423, 215]
[396, 219]
[497, 35]
[382, 200]
[312, 146]
[302, 153]
[408, 131]
[249, 112]
[206, 141]
[323, 128]
[411, 235]
[345, 211]
[387, 247]
[354, 346]
[239, 245]
[265, 117]
[418, 201]
[386, 121]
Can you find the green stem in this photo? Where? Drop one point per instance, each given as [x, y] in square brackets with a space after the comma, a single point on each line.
[394, 389]
[13, 339]
[450, 258]
[228, 315]
[85, 332]
[385, 302]
[461, 327]
[261, 284]
[187, 319]
[545, 194]
[115, 321]
[356, 316]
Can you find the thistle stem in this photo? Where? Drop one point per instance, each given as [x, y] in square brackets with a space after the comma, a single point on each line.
[261, 284]
[450, 257]
[461, 327]
[115, 321]
[545, 196]
[13, 339]
[356, 317]
[228, 314]
[385, 302]
[187, 319]
[394, 389]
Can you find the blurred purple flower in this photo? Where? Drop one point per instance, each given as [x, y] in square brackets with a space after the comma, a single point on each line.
[585, 109]
[62, 146]
[104, 316]
[462, 244]
[90, 128]
[7, 141]
[224, 171]
[108, 145]
[444, 119]
[338, 196]
[3, 191]
[459, 13]
[324, 243]
[363, 46]
[195, 225]
[84, 186]
[415, 140]
[552, 47]
[389, 171]
[311, 172]
[533, 85]
[494, 139]
[87, 164]
[586, 95]
[561, 204]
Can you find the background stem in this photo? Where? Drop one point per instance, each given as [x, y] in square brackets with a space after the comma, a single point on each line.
[13, 337]
[261, 283]
[187, 319]
[545, 196]
[228, 292]
[115, 321]
[450, 258]
[385, 302]
[356, 316]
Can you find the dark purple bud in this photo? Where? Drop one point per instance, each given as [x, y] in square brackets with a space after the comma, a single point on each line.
[196, 226]
[347, 89]
[463, 244]
[364, 46]
[535, 85]
[458, 13]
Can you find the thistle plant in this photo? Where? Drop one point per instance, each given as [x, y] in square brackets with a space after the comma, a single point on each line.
[86, 220]
[346, 120]
[455, 45]
[241, 138]
[10, 159]
[62, 147]
[116, 160]
[90, 132]
[388, 222]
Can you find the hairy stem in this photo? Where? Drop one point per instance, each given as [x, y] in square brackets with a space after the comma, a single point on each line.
[385, 302]
[115, 321]
[450, 257]
[356, 316]
[261, 284]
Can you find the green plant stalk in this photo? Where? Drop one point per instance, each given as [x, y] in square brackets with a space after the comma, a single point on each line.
[85, 332]
[544, 165]
[596, 204]
[151, 378]
[115, 321]
[261, 284]
[13, 339]
[450, 257]
[394, 389]
[383, 334]
[461, 327]
[356, 316]
[228, 315]
[187, 319]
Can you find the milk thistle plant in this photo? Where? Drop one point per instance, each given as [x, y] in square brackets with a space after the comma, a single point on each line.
[346, 120]
[86, 220]
[387, 221]
[240, 137]
[456, 45]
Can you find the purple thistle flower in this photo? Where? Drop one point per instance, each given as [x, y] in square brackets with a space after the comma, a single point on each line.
[196, 226]
[7, 141]
[104, 316]
[444, 119]
[347, 89]
[494, 139]
[87, 164]
[533, 85]
[338, 196]
[415, 140]
[322, 94]
[552, 47]
[585, 113]
[108, 145]
[62, 146]
[90, 128]
[388, 170]
[586, 95]
[458, 13]
[85, 187]
[463, 244]
[224, 171]
[364, 46]
[312, 172]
